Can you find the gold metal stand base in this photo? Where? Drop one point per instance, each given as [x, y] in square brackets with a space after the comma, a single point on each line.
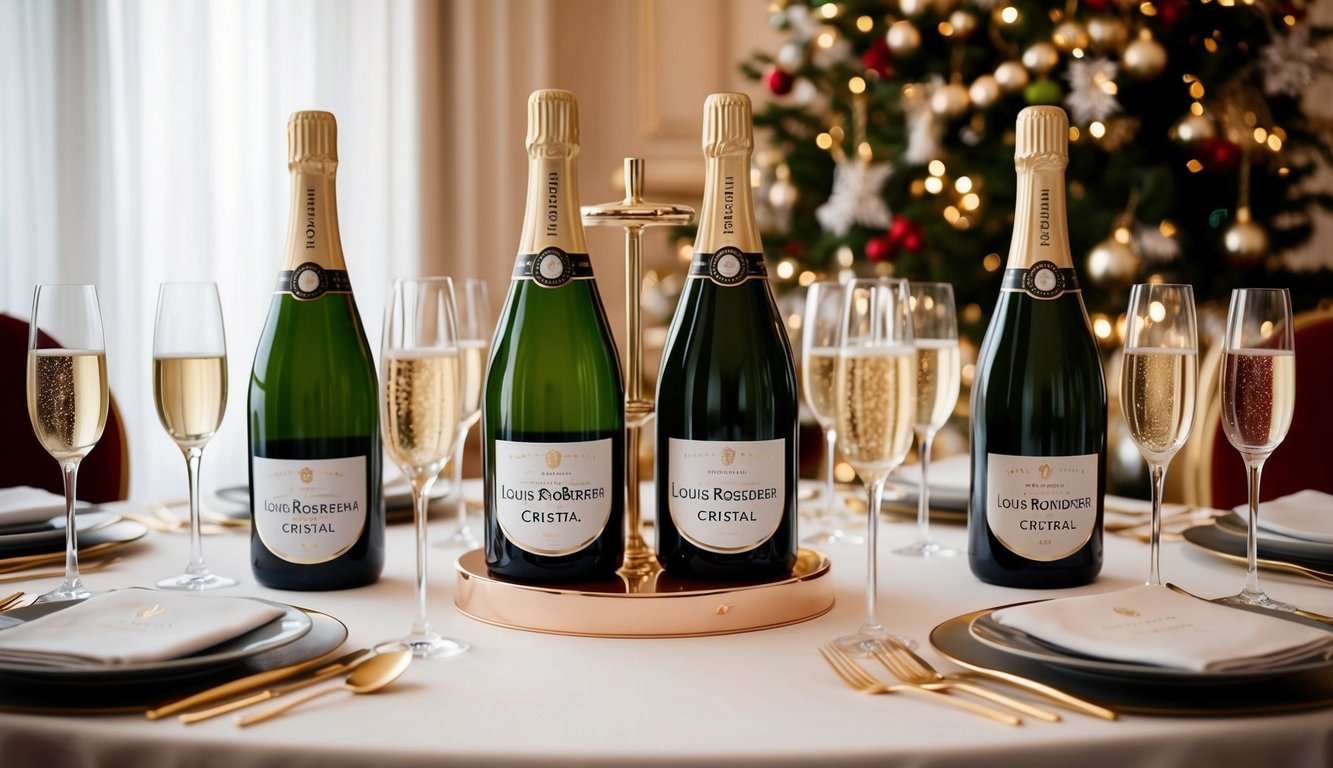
[658, 605]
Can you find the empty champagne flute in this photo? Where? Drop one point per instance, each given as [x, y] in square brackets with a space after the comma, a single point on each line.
[1158, 379]
[1258, 395]
[67, 397]
[935, 336]
[420, 411]
[474, 343]
[875, 402]
[819, 357]
[190, 388]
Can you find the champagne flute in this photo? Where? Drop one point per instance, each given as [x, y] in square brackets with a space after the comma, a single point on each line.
[819, 358]
[935, 336]
[190, 388]
[1158, 380]
[420, 410]
[875, 401]
[1258, 395]
[474, 342]
[67, 397]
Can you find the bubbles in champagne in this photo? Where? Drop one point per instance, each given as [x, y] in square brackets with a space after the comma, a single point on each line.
[67, 400]
[876, 402]
[1258, 396]
[1157, 389]
[421, 408]
[937, 381]
[817, 372]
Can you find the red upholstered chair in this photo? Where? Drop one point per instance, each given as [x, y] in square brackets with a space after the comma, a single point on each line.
[104, 475]
[1302, 460]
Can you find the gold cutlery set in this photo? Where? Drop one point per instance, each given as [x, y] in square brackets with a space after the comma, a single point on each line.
[916, 676]
[365, 672]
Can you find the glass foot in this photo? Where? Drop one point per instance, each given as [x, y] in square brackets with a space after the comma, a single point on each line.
[66, 591]
[864, 644]
[834, 536]
[426, 645]
[927, 548]
[1259, 599]
[461, 537]
[196, 582]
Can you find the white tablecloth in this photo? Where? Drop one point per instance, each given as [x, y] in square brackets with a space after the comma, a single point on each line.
[761, 698]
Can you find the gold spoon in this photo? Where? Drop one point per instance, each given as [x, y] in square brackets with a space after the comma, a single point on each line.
[368, 677]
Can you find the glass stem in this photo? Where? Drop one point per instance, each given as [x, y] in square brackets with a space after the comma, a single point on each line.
[1256, 466]
[197, 567]
[924, 439]
[872, 626]
[457, 477]
[420, 499]
[70, 470]
[830, 450]
[1158, 473]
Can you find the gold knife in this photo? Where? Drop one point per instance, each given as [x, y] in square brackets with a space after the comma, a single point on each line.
[23, 562]
[251, 682]
[337, 669]
[1053, 694]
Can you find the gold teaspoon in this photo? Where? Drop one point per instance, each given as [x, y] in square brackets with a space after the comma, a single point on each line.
[370, 676]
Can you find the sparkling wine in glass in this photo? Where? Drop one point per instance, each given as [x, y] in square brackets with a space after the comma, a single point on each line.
[938, 363]
[420, 413]
[67, 397]
[1258, 396]
[1158, 381]
[190, 388]
[875, 403]
[819, 360]
[474, 342]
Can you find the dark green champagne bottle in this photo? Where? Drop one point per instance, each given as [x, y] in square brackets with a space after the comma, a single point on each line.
[726, 394]
[553, 418]
[1039, 398]
[315, 486]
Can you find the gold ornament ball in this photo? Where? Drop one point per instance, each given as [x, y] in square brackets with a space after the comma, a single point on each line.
[1145, 58]
[985, 91]
[1192, 128]
[963, 23]
[1041, 58]
[1246, 242]
[1113, 264]
[1107, 33]
[949, 100]
[913, 7]
[1011, 76]
[903, 38]
[1069, 35]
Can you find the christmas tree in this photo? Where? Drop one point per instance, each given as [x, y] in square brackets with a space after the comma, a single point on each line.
[891, 142]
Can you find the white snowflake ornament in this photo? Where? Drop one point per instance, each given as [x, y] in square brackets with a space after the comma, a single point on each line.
[1289, 64]
[1092, 90]
[856, 197]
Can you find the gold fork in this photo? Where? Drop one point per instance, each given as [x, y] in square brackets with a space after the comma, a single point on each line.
[88, 567]
[863, 682]
[904, 664]
[9, 601]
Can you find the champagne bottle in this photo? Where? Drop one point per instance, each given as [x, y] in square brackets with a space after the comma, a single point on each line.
[1038, 398]
[315, 485]
[726, 394]
[553, 418]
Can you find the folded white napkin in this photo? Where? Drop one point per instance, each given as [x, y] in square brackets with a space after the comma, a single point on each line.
[952, 473]
[1305, 515]
[21, 505]
[1154, 625]
[132, 626]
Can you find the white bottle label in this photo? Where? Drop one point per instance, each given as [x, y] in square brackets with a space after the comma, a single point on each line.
[726, 497]
[1041, 507]
[309, 510]
[553, 498]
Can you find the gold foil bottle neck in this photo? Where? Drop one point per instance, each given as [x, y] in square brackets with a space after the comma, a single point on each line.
[728, 124]
[1041, 138]
[553, 123]
[312, 137]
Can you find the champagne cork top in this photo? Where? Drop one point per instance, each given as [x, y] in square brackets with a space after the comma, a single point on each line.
[1042, 136]
[312, 137]
[728, 126]
[553, 119]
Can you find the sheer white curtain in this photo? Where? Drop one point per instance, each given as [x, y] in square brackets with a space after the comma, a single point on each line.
[146, 141]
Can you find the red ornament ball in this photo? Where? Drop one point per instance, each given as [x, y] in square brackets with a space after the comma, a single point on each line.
[1101, 6]
[880, 248]
[779, 80]
[1172, 12]
[878, 58]
[913, 241]
[1218, 155]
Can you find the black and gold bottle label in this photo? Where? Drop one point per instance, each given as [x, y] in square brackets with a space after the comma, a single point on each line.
[728, 266]
[1042, 280]
[552, 267]
[310, 281]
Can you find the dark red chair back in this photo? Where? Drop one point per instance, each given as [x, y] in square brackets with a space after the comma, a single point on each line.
[103, 474]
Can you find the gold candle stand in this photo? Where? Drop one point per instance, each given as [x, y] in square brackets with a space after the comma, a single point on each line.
[635, 215]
